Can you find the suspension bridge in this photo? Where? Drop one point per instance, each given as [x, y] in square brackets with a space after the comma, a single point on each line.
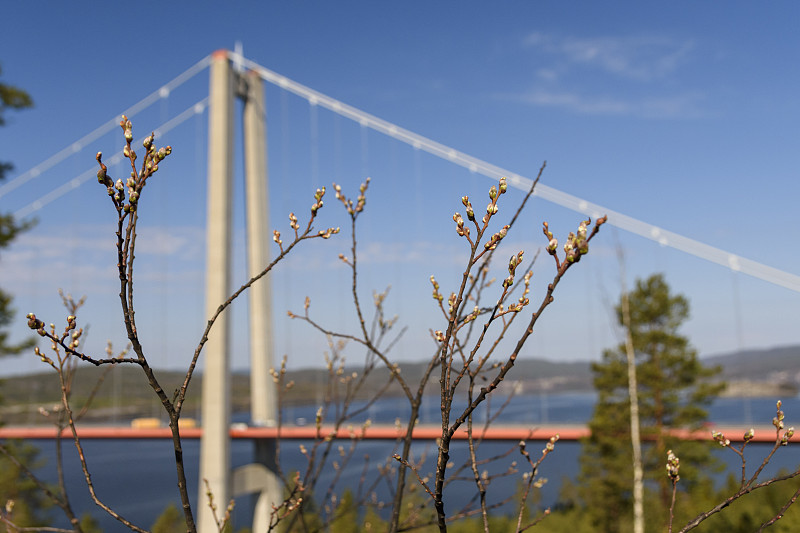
[659, 235]
[234, 78]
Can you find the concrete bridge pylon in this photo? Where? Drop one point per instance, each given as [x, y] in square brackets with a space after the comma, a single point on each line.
[227, 83]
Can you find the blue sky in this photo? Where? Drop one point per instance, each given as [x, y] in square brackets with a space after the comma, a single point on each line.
[685, 117]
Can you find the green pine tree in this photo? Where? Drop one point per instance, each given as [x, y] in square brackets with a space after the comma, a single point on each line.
[30, 505]
[10, 98]
[170, 521]
[346, 517]
[28, 501]
[675, 390]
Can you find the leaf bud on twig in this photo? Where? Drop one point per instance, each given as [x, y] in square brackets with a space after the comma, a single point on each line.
[719, 437]
[546, 230]
[33, 322]
[459, 224]
[551, 444]
[451, 301]
[582, 229]
[514, 262]
[326, 234]
[673, 466]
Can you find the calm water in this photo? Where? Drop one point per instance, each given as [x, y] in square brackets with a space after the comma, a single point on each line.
[137, 477]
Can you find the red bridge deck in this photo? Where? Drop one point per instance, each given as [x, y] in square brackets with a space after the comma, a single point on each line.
[376, 432]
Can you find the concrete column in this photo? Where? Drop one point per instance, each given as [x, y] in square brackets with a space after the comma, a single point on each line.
[259, 238]
[263, 398]
[216, 410]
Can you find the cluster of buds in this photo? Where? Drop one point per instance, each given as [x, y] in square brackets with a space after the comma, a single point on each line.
[526, 279]
[552, 245]
[473, 315]
[577, 244]
[317, 205]
[75, 336]
[513, 263]
[318, 418]
[460, 229]
[70, 338]
[154, 155]
[673, 466]
[491, 208]
[778, 423]
[326, 234]
[494, 194]
[280, 374]
[496, 238]
[379, 297]
[551, 444]
[35, 324]
[276, 235]
[361, 200]
[517, 307]
[719, 437]
[135, 181]
[468, 206]
[436, 294]
[42, 357]
[539, 483]
[451, 302]
[778, 420]
[292, 503]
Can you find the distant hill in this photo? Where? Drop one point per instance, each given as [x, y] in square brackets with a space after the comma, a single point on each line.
[125, 393]
[763, 372]
[784, 360]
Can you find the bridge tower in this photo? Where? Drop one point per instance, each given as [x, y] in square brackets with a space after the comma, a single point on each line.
[227, 83]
